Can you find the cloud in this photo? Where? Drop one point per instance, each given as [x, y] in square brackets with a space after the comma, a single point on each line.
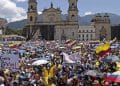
[10, 11]
[20, 0]
[39, 12]
[88, 13]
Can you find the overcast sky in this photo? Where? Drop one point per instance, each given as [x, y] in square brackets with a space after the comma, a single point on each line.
[14, 10]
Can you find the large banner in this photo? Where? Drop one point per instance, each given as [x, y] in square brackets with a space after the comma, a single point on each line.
[10, 61]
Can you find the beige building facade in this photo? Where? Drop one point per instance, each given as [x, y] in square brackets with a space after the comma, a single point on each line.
[102, 26]
[53, 26]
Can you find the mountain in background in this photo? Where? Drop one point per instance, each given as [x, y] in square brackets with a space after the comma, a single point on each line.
[17, 24]
[84, 20]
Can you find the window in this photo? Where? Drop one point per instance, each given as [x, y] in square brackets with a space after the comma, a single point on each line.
[87, 35]
[83, 31]
[79, 31]
[83, 39]
[83, 35]
[91, 35]
[72, 16]
[72, 4]
[79, 36]
[91, 30]
[31, 7]
[72, 33]
[31, 18]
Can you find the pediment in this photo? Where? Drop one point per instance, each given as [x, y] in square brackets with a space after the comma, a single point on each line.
[52, 10]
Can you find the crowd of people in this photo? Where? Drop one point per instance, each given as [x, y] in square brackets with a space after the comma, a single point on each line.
[68, 63]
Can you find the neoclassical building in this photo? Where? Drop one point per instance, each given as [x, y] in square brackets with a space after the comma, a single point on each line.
[52, 26]
[86, 33]
[102, 26]
[99, 29]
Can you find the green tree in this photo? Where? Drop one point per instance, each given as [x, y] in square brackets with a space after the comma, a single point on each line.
[10, 31]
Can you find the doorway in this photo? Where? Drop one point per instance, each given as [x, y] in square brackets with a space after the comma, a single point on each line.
[47, 32]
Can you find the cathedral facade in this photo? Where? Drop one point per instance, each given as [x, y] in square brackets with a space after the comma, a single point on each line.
[53, 26]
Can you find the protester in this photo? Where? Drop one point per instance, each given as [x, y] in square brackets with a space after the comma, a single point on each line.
[66, 63]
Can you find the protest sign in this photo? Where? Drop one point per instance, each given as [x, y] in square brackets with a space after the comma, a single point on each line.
[10, 61]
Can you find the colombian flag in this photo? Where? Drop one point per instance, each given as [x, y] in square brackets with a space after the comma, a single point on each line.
[114, 77]
[72, 43]
[103, 49]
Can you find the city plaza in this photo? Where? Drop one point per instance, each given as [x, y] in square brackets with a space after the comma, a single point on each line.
[60, 53]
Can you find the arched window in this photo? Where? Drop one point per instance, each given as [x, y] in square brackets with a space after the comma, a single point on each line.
[31, 7]
[31, 18]
[72, 16]
[72, 4]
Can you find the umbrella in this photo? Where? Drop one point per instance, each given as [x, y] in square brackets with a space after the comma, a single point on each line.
[94, 73]
[40, 62]
[115, 59]
[114, 77]
[111, 59]
[61, 47]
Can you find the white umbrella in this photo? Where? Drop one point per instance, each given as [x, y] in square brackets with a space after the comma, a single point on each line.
[111, 59]
[94, 73]
[40, 62]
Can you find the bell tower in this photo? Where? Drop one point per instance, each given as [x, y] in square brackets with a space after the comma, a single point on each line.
[73, 10]
[32, 11]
